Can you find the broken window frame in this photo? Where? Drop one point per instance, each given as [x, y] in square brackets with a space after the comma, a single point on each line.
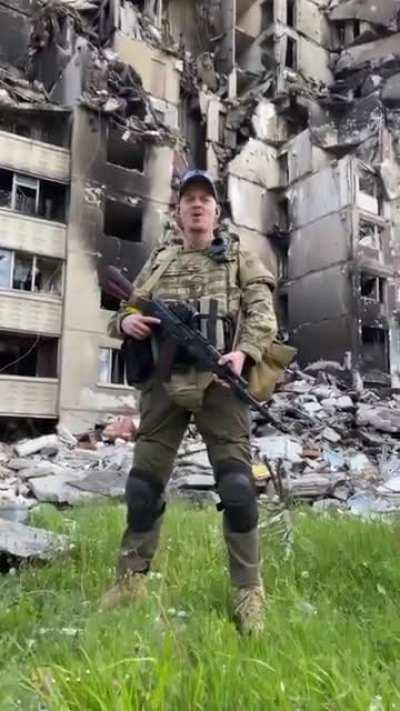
[40, 187]
[32, 352]
[34, 258]
[291, 13]
[135, 233]
[24, 181]
[111, 359]
[367, 345]
[283, 165]
[291, 42]
[375, 196]
[113, 135]
[267, 15]
[379, 226]
[378, 291]
[282, 259]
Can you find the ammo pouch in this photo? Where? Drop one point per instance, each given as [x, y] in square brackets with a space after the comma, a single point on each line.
[263, 376]
[138, 360]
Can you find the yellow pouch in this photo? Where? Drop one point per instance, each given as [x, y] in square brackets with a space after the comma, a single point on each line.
[264, 376]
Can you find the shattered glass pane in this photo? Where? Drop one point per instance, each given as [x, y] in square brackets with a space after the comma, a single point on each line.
[370, 235]
[104, 365]
[48, 276]
[5, 268]
[25, 200]
[22, 276]
[368, 183]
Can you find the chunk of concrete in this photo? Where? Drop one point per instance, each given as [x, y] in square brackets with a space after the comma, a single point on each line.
[360, 464]
[344, 403]
[280, 447]
[312, 486]
[109, 482]
[18, 463]
[37, 469]
[67, 436]
[197, 459]
[24, 542]
[59, 490]
[311, 408]
[31, 446]
[330, 435]
[392, 484]
[194, 481]
[382, 419]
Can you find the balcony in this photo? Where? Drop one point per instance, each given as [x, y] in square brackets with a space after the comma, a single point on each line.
[32, 234]
[34, 157]
[30, 313]
[28, 397]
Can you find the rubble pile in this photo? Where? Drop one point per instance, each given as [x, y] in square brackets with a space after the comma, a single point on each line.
[339, 450]
[337, 444]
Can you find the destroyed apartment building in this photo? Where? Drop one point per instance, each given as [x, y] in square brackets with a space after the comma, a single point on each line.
[292, 105]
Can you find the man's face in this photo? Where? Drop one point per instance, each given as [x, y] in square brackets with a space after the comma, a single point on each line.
[198, 209]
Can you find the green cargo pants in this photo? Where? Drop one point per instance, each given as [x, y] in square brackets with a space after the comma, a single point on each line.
[223, 422]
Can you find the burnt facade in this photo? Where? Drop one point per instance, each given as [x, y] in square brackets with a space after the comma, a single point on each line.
[292, 105]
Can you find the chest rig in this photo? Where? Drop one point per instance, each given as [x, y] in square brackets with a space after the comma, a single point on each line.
[198, 286]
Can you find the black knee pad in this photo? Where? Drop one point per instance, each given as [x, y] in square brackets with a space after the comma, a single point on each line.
[143, 496]
[237, 492]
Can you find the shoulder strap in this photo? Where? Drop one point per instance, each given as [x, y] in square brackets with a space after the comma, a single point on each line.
[155, 277]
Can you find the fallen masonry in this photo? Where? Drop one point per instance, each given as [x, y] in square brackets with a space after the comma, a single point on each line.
[344, 456]
[19, 542]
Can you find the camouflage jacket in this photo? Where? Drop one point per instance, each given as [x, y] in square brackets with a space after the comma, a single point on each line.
[239, 281]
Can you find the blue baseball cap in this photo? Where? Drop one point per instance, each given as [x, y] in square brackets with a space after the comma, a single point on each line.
[197, 176]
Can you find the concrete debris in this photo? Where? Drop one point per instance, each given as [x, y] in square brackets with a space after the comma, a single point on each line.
[59, 489]
[24, 449]
[24, 543]
[294, 108]
[108, 482]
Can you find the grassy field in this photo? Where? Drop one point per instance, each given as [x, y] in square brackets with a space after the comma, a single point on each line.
[332, 642]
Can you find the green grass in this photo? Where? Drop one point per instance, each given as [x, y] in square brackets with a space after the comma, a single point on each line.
[332, 642]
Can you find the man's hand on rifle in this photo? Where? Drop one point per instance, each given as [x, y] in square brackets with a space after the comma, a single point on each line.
[138, 326]
[235, 360]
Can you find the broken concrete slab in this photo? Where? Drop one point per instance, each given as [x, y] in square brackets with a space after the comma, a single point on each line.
[194, 481]
[197, 459]
[31, 446]
[66, 436]
[382, 419]
[391, 485]
[26, 543]
[360, 463]
[59, 490]
[108, 482]
[384, 13]
[344, 403]
[280, 447]
[39, 468]
[317, 486]
[379, 51]
[331, 435]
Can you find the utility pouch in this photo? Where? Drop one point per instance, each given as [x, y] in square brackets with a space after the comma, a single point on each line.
[138, 360]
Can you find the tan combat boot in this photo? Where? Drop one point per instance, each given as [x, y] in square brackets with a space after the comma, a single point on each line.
[129, 588]
[250, 609]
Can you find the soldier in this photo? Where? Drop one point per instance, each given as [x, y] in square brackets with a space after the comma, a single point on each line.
[221, 279]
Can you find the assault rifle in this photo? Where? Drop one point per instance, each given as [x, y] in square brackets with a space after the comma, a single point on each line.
[176, 330]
